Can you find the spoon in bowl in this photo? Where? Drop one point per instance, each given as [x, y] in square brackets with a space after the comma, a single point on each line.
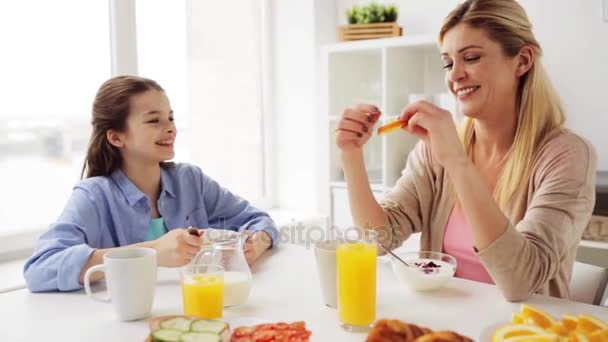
[394, 255]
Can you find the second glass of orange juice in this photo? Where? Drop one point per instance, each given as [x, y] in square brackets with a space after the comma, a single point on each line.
[203, 290]
[356, 264]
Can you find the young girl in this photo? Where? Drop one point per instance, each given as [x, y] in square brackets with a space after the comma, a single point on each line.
[132, 197]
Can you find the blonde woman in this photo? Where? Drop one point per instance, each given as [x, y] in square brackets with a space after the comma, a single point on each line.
[511, 194]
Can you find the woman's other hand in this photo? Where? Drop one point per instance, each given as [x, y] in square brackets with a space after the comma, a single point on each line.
[356, 127]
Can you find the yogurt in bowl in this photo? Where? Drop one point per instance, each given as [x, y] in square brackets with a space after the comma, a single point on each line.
[425, 271]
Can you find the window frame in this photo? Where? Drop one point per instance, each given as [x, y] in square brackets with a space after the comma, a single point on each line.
[269, 127]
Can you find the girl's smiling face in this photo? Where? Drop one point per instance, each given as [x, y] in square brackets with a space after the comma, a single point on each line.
[150, 131]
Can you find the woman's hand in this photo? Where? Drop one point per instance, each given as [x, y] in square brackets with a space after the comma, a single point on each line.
[436, 128]
[356, 127]
[255, 245]
[177, 247]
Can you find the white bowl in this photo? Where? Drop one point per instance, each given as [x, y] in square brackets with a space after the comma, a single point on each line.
[425, 271]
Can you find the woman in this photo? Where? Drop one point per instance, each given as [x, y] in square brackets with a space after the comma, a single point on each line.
[132, 197]
[511, 194]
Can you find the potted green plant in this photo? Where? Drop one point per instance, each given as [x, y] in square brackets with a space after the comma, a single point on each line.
[371, 21]
[372, 13]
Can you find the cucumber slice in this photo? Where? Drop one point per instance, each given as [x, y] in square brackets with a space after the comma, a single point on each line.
[167, 335]
[200, 337]
[177, 323]
[202, 325]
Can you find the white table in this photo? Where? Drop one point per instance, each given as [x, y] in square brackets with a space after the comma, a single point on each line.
[285, 289]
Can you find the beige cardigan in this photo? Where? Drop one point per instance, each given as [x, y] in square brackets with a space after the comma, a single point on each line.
[536, 253]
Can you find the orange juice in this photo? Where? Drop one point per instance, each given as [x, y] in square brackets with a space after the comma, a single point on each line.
[203, 295]
[356, 263]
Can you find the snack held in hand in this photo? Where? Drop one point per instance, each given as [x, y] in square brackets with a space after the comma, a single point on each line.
[391, 126]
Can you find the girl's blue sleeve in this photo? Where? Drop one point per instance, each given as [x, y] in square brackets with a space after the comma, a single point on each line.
[228, 211]
[63, 250]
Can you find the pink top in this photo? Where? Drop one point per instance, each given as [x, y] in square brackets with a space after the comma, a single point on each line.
[458, 242]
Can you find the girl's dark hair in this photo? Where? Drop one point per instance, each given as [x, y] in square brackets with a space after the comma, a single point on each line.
[110, 111]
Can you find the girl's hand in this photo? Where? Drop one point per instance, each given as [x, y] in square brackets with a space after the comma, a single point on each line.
[176, 248]
[255, 245]
[436, 128]
[356, 127]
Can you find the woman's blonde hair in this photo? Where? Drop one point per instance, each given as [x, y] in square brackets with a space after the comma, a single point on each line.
[540, 115]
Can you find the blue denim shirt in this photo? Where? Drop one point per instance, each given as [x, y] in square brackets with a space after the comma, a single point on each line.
[105, 212]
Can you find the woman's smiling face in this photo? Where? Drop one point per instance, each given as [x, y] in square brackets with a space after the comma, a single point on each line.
[480, 75]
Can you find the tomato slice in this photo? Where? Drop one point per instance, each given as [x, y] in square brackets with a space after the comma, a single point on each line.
[273, 332]
[304, 334]
[243, 332]
[281, 326]
[299, 336]
[264, 327]
[281, 335]
[240, 339]
[298, 326]
[263, 336]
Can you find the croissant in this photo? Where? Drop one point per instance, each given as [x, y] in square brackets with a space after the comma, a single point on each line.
[392, 330]
[443, 336]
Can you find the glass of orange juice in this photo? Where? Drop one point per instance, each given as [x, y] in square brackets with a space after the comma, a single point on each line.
[203, 290]
[356, 265]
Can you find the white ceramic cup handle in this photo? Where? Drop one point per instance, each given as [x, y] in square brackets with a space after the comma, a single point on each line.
[87, 283]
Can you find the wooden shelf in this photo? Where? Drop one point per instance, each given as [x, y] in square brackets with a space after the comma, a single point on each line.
[372, 44]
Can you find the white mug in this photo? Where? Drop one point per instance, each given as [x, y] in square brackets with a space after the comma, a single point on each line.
[131, 280]
[325, 253]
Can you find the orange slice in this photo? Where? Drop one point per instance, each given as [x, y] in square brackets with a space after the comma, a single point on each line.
[589, 324]
[559, 329]
[518, 318]
[570, 322]
[507, 332]
[599, 336]
[538, 316]
[535, 338]
[577, 336]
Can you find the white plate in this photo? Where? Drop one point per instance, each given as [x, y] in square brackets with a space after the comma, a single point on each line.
[488, 331]
[244, 321]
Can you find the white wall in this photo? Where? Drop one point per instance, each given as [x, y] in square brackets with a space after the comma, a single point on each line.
[575, 43]
[216, 77]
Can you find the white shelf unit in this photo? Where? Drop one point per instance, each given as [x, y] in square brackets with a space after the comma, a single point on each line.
[382, 72]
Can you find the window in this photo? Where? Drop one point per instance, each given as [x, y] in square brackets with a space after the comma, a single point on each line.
[162, 55]
[52, 64]
[207, 55]
[58, 55]
[225, 93]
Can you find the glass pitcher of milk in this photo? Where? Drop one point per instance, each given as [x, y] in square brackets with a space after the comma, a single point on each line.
[226, 249]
